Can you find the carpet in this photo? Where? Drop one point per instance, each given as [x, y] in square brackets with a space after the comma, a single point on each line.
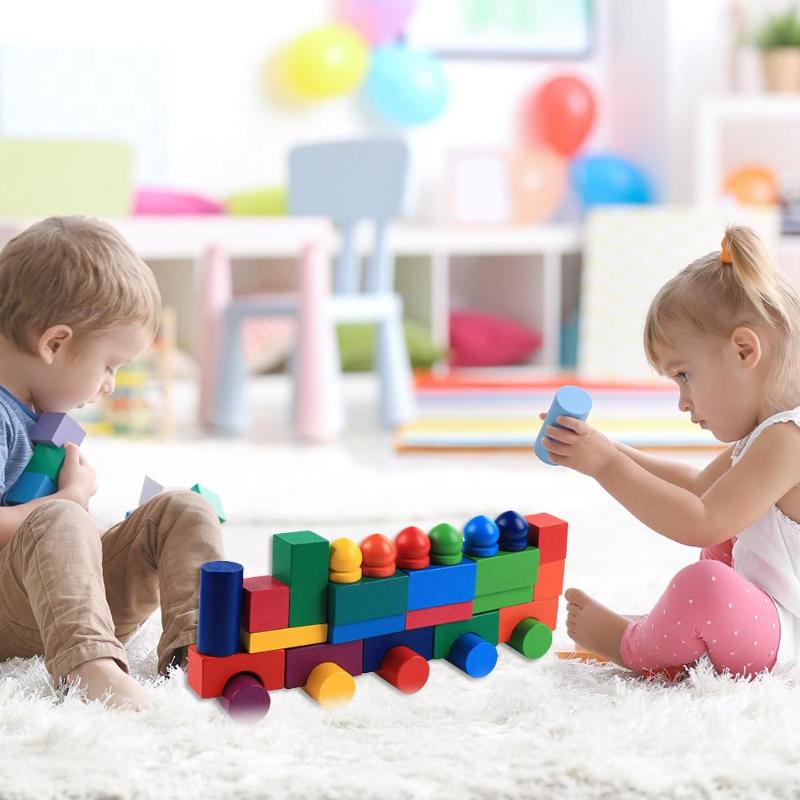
[539, 729]
[461, 412]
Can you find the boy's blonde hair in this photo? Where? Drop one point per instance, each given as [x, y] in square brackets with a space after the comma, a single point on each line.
[712, 296]
[75, 271]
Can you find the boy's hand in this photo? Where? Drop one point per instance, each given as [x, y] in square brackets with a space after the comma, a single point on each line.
[581, 448]
[77, 479]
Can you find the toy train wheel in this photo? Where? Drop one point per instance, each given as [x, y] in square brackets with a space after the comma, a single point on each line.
[473, 654]
[405, 669]
[330, 685]
[531, 638]
[245, 698]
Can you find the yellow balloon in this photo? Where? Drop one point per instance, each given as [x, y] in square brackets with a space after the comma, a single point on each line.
[326, 62]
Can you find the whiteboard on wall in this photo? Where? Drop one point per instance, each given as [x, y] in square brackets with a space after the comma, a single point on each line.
[503, 28]
[89, 92]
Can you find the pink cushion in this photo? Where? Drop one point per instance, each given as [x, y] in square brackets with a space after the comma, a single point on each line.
[484, 340]
[149, 202]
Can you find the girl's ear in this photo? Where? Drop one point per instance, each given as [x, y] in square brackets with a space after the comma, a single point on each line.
[747, 345]
[51, 343]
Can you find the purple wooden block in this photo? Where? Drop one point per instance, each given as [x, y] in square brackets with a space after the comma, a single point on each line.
[57, 430]
[244, 698]
[301, 660]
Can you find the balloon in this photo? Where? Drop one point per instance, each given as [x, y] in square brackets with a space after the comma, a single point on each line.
[560, 114]
[378, 21]
[753, 185]
[538, 182]
[608, 180]
[326, 62]
[406, 87]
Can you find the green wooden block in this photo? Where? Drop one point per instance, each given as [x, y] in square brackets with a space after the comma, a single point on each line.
[370, 598]
[47, 460]
[300, 560]
[485, 625]
[511, 597]
[212, 498]
[506, 570]
[531, 638]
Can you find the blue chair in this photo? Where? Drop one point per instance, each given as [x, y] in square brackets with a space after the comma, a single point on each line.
[349, 182]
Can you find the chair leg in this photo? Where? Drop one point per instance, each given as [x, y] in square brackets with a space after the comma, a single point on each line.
[397, 404]
[318, 403]
[230, 410]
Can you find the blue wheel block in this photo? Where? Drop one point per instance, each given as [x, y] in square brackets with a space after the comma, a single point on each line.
[570, 401]
[29, 486]
[473, 655]
[365, 629]
[420, 640]
[220, 608]
[442, 584]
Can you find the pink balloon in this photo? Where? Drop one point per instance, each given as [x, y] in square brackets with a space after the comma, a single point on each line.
[379, 21]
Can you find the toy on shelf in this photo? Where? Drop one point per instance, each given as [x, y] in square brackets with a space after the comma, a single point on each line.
[569, 401]
[334, 610]
[49, 436]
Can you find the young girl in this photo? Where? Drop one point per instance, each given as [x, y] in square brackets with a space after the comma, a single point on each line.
[726, 329]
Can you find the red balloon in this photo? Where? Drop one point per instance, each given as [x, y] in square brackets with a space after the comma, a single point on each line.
[560, 113]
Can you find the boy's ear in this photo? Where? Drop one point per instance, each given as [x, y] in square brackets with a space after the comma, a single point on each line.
[747, 346]
[51, 342]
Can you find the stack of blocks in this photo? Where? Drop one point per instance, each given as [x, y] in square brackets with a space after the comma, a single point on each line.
[40, 477]
[333, 610]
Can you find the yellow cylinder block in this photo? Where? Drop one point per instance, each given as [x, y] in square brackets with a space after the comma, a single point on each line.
[330, 685]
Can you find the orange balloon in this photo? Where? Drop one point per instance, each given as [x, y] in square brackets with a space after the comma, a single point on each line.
[753, 185]
[538, 183]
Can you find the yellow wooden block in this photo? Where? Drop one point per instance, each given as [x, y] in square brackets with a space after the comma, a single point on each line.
[330, 685]
[261, 641]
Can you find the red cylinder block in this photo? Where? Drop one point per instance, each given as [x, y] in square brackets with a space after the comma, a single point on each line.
[413, 548]
[405, 669]
[378, 554]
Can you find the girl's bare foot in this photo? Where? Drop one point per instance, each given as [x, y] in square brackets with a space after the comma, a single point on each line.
[593, 626]
[103, 678]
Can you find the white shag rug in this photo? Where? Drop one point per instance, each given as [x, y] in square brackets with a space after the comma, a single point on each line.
[530, 729]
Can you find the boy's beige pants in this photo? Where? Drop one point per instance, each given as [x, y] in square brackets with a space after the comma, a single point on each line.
[72, 594]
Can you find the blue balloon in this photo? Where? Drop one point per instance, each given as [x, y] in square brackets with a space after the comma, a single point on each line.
[609, 180]
[406, 87]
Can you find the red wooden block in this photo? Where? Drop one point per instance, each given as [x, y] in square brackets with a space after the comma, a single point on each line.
[543, 610]
[549, 534]
[438, 615]
[405, 669]
[265, 604]
[209, 674]
[301, 660]
[550, 581]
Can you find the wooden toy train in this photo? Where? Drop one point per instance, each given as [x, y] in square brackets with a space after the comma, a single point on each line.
[333, 610]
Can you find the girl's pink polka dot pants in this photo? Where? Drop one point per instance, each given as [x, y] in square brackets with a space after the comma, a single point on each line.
[707, 607]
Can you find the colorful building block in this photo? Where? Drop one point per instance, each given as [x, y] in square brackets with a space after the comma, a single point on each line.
[265, 604]
[330, 685]
[300, 560]
[301, 660]
[441, 584]
[220, 608]
[244, 698]
[549, 534]
[213, 498]
[438, 615]
[207, 675]
[29, 486]
[473, 654]
[506, 570]
[47, 460]
[550, 582]
[531, 638]
[370, 598]
[512, 597]
[569, 401]
[485, 625]
[366, 628]
[284, 638]
[150, 488]
[405, 669]
[419, 640]
[57, 429]
[543, 610]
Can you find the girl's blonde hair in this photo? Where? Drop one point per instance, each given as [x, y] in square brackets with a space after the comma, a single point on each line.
[715, 296]
[75, 271]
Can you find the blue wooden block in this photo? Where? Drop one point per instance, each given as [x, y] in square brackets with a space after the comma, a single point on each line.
[366, 629]
[220, 608]
[569, 401]
[420, 640]
[441, 585]
[29, 486]
[473, 655]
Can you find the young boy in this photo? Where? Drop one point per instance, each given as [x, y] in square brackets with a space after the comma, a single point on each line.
[76, 303]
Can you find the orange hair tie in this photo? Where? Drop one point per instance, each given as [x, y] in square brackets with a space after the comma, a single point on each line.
[725, 256]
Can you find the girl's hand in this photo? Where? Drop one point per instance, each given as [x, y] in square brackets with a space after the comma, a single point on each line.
[77, 479]
[581, 447]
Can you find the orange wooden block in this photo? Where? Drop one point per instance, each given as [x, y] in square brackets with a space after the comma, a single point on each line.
[549, 534]
[208, 675]
[550, 582]
[543, 610]
[438, 615]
